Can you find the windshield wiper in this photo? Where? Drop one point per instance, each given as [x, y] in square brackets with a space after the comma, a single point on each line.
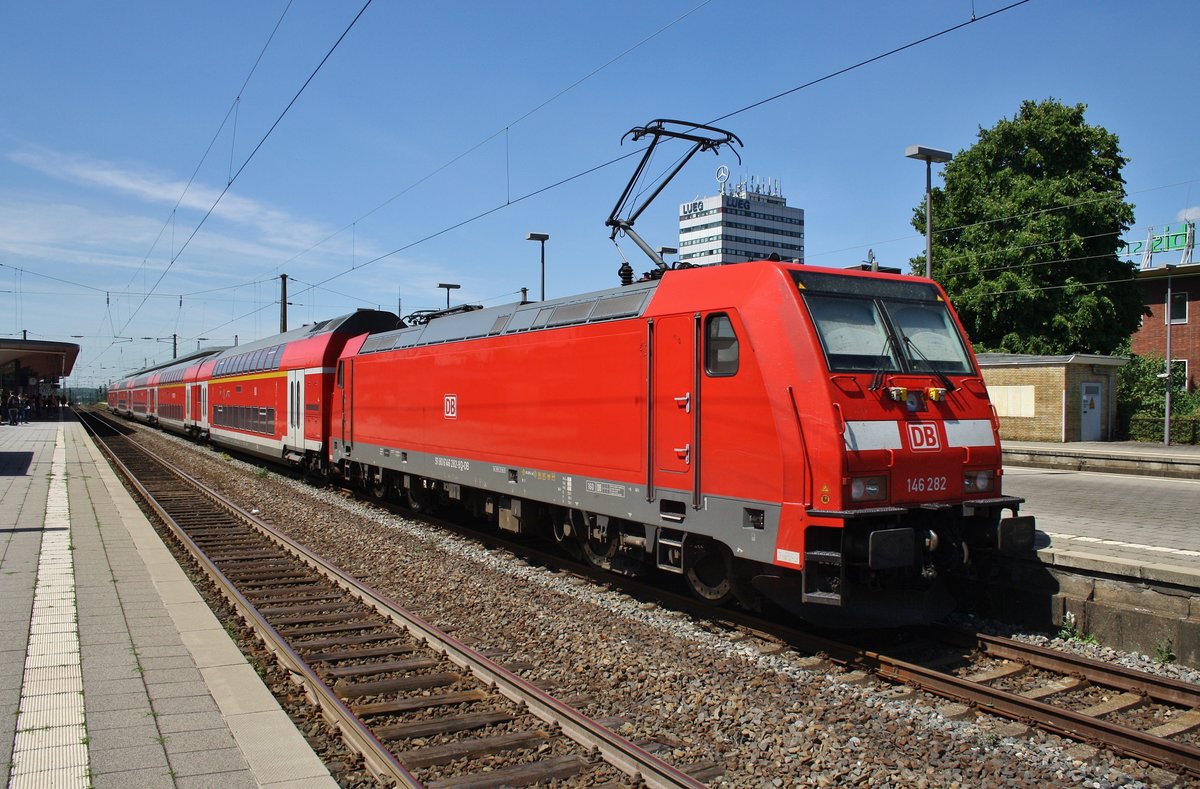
[877, 379]
[929, 367]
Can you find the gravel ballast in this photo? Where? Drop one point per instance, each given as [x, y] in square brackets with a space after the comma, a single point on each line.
[766, 717]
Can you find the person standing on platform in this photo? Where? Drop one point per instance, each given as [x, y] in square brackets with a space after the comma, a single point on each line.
[12, 405]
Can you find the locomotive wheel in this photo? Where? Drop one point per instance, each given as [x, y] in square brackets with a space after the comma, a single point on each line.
[567, 539]
[415, 500]
[708, 569]
[379, 490]
[598, 553]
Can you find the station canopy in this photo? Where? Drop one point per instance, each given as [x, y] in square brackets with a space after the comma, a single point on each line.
[47, 361]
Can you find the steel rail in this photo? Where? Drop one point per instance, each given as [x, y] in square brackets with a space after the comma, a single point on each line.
[1072, 724]
[1160, 750]
[1128, 741]
[1037, 714]
[1160, 689]
[356, 735]
[616, 750]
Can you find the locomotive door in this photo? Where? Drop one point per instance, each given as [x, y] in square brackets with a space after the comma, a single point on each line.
[674, 407]
[345, 382]
[295, 409]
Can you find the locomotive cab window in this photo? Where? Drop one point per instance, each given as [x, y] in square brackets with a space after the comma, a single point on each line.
[720, 346]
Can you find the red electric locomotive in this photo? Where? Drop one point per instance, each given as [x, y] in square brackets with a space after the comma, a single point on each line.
[819, 437]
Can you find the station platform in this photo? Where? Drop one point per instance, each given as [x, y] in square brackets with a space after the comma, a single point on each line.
[1116, 457]
[116, 671]
[1140, 529]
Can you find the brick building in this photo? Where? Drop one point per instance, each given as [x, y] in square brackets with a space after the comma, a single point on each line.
[1185, 317]
[1053, 398]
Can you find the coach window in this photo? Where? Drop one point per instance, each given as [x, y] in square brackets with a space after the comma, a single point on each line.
[721, 346]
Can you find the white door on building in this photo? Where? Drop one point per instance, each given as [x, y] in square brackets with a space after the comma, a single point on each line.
[1090, 411]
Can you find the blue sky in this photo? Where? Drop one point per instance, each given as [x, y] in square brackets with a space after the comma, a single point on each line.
[431, 114]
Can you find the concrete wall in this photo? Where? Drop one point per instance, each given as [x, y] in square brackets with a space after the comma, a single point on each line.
[1131, 615]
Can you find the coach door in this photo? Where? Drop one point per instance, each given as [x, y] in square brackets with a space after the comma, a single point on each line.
[674, 410]
[295, 409]
[200, 403]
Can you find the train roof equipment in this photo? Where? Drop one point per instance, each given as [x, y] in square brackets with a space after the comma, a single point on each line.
[658, 129]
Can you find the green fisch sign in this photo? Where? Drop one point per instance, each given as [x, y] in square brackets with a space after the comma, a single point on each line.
[1172, 239]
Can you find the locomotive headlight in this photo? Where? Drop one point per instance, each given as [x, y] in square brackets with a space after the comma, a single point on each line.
[978, 481]
[868, 488]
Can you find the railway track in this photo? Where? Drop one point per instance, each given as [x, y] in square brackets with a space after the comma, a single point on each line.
[421, 707]
[1132, 713]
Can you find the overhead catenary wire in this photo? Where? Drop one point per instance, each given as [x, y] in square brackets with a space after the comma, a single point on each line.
[755, 105]
[262, 141]
[870, 60]
[505, 131]
[357, 265]
[170, 220]
[508, 202]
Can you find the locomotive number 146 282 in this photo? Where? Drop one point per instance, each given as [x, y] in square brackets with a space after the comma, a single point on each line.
[926, 484]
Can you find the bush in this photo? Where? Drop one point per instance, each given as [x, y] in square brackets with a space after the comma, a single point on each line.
[1141, 401]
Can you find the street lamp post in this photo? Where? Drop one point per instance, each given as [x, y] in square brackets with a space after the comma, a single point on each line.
[1167, 375]
[449, 286]
[929, 156]
[543, 238]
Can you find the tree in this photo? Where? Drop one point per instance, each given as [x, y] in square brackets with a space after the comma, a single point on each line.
[1026, 233]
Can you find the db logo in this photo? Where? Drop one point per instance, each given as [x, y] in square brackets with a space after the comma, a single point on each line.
[450, 406]
[923, 436]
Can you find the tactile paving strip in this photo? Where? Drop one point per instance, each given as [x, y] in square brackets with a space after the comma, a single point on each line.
[50, 747]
